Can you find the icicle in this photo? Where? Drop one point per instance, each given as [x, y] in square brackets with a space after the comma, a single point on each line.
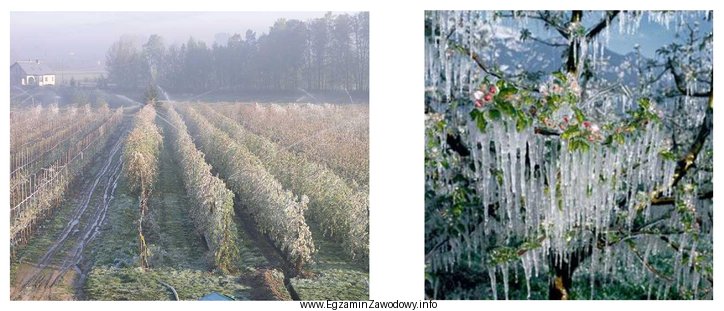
[493, 284]
[525, 262]
[504, 270]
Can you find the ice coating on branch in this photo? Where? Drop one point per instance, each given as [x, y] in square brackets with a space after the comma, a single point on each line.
[572, 189]
[530, 189]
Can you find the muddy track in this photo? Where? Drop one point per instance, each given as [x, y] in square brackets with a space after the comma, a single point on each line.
[38, 281]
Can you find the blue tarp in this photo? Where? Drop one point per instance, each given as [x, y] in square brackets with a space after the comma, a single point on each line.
[216, 297]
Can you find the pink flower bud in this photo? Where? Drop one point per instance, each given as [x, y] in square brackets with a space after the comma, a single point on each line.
[488, 97]
[565, 119]
[586, 124]
[479, 103]
[493, 89]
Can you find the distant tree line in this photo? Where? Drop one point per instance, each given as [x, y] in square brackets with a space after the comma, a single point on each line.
[323, 54]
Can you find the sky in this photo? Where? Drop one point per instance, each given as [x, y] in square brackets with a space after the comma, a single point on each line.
[650, 35]
[79, 40]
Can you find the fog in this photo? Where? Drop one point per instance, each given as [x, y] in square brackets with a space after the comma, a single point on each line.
[225, 55]
[79, 40]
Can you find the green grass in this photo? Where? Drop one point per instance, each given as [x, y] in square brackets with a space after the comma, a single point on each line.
[250, 255]
[335, 277]
[333, 284]
[105, 283]
[174, 242]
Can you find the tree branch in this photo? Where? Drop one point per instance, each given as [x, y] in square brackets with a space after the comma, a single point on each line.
[456, 144]
[683, 165]
[610, 15]
[478, 61]
[545, 17]
[681, 82]
[476, 58]
[671, 200]
[551, 44]
[545, 131]
[575, 46]
[541, 16]
[649, 266]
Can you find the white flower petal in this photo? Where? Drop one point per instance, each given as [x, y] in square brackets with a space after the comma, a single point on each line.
[478, 95]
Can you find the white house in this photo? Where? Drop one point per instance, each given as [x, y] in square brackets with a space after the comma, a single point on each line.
[31, 72]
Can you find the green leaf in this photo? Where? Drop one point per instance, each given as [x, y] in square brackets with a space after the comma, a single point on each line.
[503, 254]
[571, 132]
[507, 91]
[522, 121]
[667, 155]
[506, 107]
[500, 84]
[494, 114]
[530, 244]
[644, 103]
[459, 49]
[520, 124]
[578, 143]
[572, 145]
[441, 125]
[481, 122]
[579, 115]
[619, 138]
[498, 175]
[479, 118]
[584, 146]
[560, 76]
[457, 210]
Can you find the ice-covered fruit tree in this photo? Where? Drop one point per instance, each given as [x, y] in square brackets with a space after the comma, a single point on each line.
[558, 167]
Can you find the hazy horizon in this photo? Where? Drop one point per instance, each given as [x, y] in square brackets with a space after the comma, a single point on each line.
[79, 40]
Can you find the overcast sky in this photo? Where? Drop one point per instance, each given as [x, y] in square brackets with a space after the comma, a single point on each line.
[79, 40]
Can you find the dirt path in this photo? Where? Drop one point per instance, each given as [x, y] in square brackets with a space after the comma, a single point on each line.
[49, 277]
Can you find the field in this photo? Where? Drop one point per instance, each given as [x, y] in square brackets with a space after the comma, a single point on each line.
[174, 201]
